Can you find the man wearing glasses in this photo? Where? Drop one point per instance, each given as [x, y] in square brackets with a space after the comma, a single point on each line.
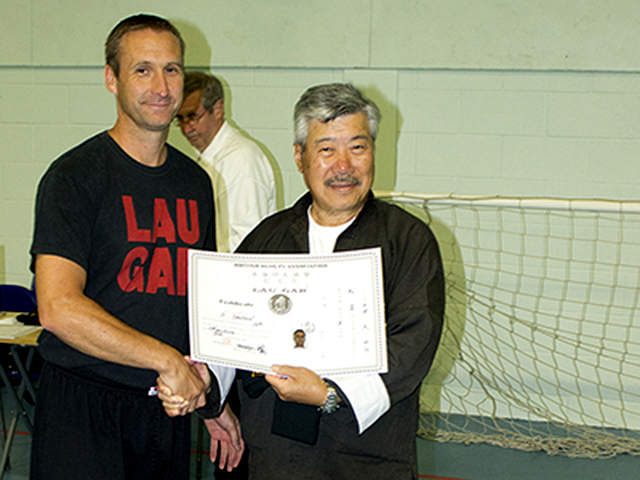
[243, 183]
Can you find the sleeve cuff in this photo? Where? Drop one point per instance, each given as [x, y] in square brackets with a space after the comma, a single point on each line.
[367, 396]
[221, 381]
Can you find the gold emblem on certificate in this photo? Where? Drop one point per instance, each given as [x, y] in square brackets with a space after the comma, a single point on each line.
[280, 304]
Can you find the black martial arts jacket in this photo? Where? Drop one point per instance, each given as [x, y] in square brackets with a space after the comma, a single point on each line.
[414, 307]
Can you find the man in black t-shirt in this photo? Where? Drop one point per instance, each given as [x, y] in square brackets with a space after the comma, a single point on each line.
[114, 219]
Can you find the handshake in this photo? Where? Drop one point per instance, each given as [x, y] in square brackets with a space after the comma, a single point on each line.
[183, 388]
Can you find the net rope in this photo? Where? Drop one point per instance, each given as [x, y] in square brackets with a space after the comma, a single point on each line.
[541, 344]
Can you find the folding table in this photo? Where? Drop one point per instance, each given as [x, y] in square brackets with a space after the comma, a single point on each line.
[22, 351]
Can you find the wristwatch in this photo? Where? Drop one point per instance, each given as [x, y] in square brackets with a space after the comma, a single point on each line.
[331, 404]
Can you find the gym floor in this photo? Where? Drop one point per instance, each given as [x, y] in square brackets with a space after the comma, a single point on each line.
[438, 461]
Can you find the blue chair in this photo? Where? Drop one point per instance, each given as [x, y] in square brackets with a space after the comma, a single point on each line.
[15, 298]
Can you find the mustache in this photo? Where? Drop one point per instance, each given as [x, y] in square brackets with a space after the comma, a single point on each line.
[343, 180]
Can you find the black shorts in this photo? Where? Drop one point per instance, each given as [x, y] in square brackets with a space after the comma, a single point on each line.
[87, 430]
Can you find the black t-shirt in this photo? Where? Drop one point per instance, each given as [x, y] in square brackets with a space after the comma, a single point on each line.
[129, 227]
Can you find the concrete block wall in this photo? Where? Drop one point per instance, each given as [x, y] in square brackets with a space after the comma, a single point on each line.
[43, 112]
[503, 98]
[516, 133]
[504, 133]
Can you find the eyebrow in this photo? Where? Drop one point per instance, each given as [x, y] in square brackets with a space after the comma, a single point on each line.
[180, 65]
[332, 139]
[187, 114]
[361, 137]
[141, 63]
[149, 63]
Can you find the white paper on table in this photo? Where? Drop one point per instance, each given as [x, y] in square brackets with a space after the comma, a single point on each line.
[244, 310]
[11, 328]
[9, 318]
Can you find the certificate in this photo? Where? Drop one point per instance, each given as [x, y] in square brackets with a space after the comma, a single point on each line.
[323, 312]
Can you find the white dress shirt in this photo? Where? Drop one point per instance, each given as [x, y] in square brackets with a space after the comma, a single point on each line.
[243, 185]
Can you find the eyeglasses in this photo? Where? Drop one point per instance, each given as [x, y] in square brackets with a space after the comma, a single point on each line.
[188, 119]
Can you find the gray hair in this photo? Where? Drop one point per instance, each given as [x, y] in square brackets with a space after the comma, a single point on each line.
[328, 102]
[209, 86]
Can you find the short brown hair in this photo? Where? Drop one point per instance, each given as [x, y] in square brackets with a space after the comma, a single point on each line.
[132, 24]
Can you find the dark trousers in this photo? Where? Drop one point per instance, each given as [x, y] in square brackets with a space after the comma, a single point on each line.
[88, 430]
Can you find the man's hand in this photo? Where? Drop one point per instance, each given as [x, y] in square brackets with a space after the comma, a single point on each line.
[298, 384]
[227, 438]
[183, 389]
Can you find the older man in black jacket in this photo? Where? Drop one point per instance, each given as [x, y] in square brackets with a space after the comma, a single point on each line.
[291, 425]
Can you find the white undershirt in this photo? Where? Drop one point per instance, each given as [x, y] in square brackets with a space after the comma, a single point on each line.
[322, 240]
[366, 393]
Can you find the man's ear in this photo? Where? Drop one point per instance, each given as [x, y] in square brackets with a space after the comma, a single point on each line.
[297, 153]
[218, 109]
[110, 79]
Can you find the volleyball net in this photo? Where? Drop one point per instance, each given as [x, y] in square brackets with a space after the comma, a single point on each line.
[541, 344]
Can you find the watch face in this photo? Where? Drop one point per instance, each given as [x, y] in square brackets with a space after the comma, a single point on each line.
[331, 405]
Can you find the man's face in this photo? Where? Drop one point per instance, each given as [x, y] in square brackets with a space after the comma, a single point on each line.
[299, 338]
[337, 166]
[149, 88]
[196, 123]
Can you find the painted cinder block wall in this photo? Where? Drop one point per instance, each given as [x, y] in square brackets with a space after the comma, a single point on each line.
[529, 98]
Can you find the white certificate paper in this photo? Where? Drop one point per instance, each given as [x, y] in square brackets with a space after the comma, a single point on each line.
[244, 311]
